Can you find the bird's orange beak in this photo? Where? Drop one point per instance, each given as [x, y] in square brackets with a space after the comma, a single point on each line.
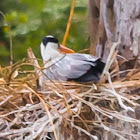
[64, 49]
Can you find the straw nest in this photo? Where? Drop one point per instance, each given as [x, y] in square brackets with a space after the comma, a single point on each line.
[58, 110]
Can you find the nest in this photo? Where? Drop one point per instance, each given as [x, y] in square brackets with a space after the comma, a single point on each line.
[58, 110]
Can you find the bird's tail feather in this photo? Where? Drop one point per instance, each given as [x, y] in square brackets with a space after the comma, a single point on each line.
[100, 66]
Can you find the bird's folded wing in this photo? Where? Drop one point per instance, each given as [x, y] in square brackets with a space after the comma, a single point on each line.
[72, 66]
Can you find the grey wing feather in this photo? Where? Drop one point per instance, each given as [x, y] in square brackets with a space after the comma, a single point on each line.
[71, 66]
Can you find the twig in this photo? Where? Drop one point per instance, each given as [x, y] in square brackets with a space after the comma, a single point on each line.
[69, 22]
[5, 100]
[117, 95]
[109, 59]
[84, 131]
[46, 108]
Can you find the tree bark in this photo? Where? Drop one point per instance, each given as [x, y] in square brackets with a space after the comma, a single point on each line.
[117, 19]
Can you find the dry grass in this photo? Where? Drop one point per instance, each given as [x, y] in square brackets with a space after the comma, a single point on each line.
[68, 110]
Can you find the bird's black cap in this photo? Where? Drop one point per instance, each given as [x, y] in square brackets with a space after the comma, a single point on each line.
[47, 39]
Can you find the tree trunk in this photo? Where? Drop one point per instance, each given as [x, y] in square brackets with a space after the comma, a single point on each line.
[117, 19]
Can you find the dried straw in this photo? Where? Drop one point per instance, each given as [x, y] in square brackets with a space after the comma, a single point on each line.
[66, 110]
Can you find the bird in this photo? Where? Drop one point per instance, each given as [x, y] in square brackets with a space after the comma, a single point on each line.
[63, 64]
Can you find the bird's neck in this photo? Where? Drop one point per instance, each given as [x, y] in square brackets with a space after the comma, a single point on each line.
[51, 54]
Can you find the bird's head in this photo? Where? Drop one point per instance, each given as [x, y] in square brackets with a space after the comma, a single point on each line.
[50, 48]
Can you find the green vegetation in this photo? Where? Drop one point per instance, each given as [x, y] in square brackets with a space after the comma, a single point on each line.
[30, 21]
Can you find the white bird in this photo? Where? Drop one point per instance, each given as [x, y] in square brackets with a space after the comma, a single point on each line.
[69, 66]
